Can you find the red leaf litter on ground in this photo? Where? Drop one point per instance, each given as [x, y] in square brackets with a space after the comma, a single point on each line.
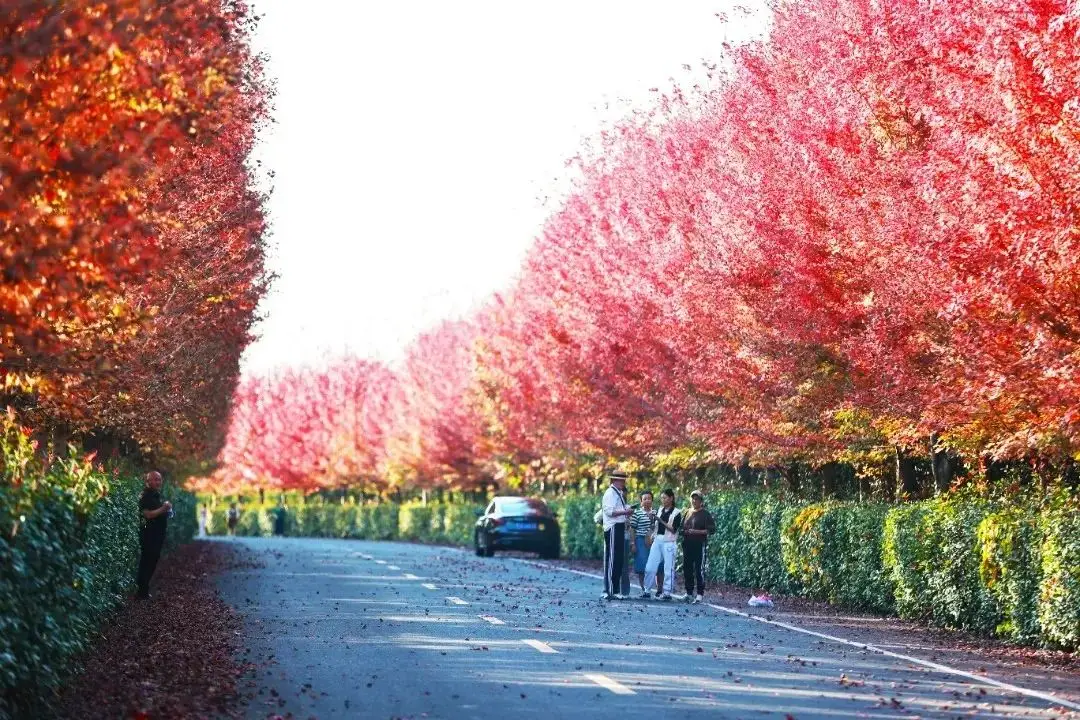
[173, 656]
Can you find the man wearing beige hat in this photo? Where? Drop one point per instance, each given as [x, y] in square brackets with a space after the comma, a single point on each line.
[615, 511]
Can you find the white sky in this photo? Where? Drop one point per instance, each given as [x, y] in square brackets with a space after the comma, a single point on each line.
[414, 141]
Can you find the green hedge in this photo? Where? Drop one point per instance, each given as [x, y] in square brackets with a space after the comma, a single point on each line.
[68, 548]
[832, 552]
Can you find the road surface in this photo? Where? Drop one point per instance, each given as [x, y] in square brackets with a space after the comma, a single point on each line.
[343, 629]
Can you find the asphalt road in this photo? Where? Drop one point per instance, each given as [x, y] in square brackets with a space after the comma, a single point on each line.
[341, 629]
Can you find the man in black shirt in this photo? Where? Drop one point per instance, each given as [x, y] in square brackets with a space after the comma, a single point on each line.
[155, 517]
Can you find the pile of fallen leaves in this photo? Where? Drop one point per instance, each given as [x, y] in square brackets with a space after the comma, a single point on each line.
[172, 656]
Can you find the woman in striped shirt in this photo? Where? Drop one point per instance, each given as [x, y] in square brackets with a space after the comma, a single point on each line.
[641, 522]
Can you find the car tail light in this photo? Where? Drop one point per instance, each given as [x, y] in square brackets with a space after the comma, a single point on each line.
[497, 521]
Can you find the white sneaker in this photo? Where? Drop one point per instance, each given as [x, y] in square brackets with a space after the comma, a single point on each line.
[698, 599]
[606, 596]
[645, 594]
[623, 597]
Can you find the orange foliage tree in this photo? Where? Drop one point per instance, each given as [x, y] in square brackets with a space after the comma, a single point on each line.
[132, 232]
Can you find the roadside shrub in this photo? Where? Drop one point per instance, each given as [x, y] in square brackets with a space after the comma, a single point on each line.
[254, 522]
[726, 551]
[459, 519]
[581, 536]
[380, 521]
[1059, 593]
[759, 523]
[69, 543]
[215, 521]
[832, 552]
[931, 553]
[184, 524]
[415, 521]
[1010, 568]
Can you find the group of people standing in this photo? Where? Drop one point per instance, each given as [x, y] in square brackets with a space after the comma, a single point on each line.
[650, 536]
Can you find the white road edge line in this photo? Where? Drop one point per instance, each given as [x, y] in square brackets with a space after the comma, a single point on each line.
[908, 658]
[541, 646]
[492, 619]
[456, 600]
[605, 682]
[430, 586]
[1046, 697]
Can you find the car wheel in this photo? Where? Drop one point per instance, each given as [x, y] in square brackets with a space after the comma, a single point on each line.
[483, 545]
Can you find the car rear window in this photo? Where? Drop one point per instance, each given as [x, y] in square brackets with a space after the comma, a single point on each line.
[522, 506]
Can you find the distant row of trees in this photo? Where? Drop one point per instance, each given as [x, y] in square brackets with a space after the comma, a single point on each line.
[856, 251]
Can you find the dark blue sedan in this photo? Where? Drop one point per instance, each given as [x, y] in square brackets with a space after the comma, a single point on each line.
[517, 523]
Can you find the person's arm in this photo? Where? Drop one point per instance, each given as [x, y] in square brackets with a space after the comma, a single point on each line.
[691, 531]
[162, 509]
[710, 525]
[609, 505]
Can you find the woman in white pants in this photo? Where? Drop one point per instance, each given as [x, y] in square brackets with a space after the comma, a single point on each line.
[665, 531]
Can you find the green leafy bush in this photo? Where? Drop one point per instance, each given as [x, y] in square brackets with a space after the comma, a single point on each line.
[581, 536]
[832, 552]
[380, 521]
[1010, 568]
[1059, 592]
[69, 543]
[459, 519]
[746, 546]
[414, 522]
[255, 522]
[931, 552]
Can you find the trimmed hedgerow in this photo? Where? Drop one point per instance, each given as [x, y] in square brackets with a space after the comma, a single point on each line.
[1059, 588]
[832, 552]
[69, 544]
[931, 551]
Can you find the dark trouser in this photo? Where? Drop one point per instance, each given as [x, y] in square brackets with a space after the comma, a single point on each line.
[614, 557]
[150, 551]
[693, 566]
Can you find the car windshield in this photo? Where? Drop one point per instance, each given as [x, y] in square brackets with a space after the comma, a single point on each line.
[522, 506]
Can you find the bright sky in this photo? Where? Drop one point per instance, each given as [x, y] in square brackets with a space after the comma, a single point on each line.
[414, 142]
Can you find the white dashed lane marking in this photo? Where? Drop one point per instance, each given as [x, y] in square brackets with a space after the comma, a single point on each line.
[456, 600]
[380, 562]
[541, 646]
[430, 586]
[493, 620]
[410, 576]
[392, 567]
[605, 682]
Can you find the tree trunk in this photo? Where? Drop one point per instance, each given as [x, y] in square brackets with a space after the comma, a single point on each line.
[942, 465]
[907, 483]
[828, 473]
[745, 473]
[792, 478]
